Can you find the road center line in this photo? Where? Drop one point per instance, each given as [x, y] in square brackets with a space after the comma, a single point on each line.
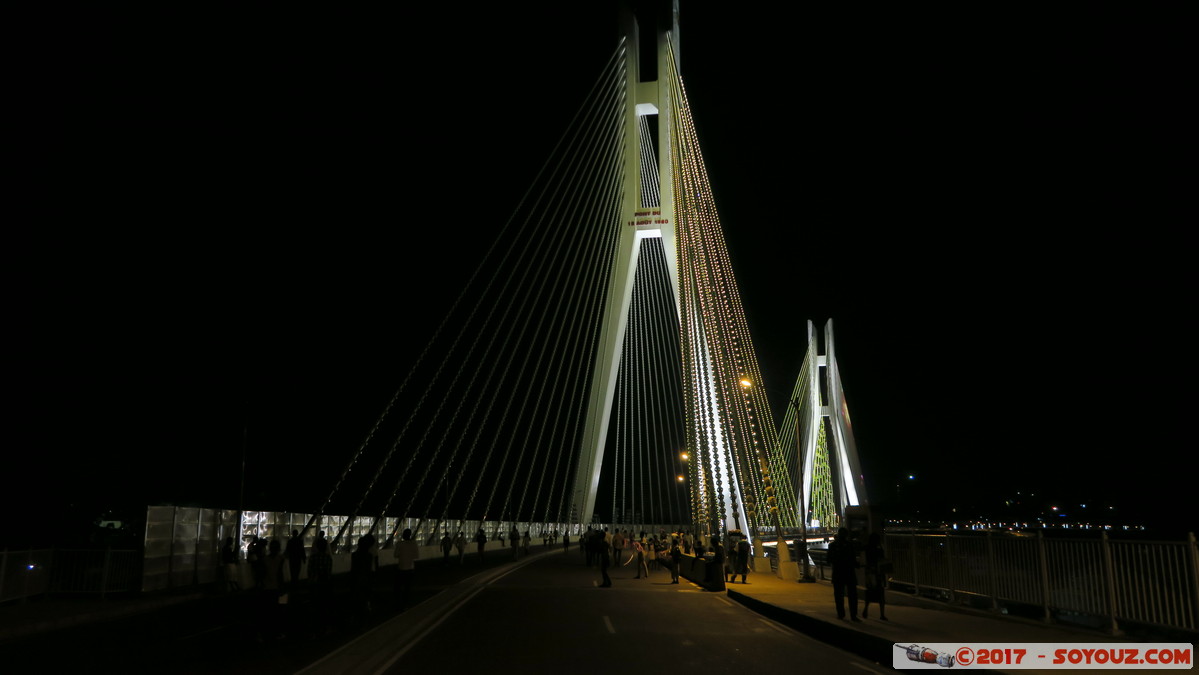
[608, 623]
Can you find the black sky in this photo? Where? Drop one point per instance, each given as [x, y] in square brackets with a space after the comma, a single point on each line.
[229, 216]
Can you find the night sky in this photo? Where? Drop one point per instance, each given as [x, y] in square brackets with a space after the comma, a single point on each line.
[229, 223]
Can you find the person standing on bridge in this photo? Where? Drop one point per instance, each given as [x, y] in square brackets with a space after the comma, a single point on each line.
[229, 566]
[844, 561]
[447, 545]
[618, 547]
[642, 569]
[877, 567]
[715, 569]
[676, 557]
[405, 553]
[296, 556]
[362, 574]
[481, 542]
[597, 549]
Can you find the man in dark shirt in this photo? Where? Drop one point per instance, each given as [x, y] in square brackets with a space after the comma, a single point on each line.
[844, 561]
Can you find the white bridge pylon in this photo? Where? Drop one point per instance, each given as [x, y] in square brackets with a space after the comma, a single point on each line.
[648, 210]
[638, 222]
[846, 481]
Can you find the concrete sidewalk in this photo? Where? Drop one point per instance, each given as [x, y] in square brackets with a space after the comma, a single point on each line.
[809, 608]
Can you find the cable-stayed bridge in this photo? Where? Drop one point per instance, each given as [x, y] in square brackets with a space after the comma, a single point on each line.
[597, 365]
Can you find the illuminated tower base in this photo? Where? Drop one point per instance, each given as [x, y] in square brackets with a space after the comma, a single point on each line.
[819, 424]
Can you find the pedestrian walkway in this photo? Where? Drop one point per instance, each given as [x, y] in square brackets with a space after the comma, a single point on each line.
[809, 609]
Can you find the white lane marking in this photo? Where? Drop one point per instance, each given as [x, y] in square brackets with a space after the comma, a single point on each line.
[777, 628]
[725, 600]
[608, 623]
[447, 615]
[483, 579]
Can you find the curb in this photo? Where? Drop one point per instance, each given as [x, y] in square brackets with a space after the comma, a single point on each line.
[867, 646]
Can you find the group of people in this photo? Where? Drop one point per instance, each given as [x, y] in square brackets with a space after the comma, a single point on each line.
[843, 553]
[607, 549]
[601, 547]
[267, 559]
[520, 544]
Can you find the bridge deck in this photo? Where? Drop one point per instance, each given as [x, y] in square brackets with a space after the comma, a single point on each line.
[535, 610]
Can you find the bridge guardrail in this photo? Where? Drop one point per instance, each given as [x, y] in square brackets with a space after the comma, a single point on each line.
[34, 572]
[1102, 583]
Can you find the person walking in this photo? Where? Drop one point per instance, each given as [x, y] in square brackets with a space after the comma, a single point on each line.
[844, 562]
[460, 546]
[741, 560]
[447, 545]
[877, 568]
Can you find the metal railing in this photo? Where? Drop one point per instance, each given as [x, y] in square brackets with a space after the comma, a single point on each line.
[34, 572]
[1151, 583]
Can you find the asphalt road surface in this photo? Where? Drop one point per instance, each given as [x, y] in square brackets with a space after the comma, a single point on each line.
[551, 616]
[546, 616]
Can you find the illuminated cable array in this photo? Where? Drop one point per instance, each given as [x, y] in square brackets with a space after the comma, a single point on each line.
[729, 419]
[823, 508]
